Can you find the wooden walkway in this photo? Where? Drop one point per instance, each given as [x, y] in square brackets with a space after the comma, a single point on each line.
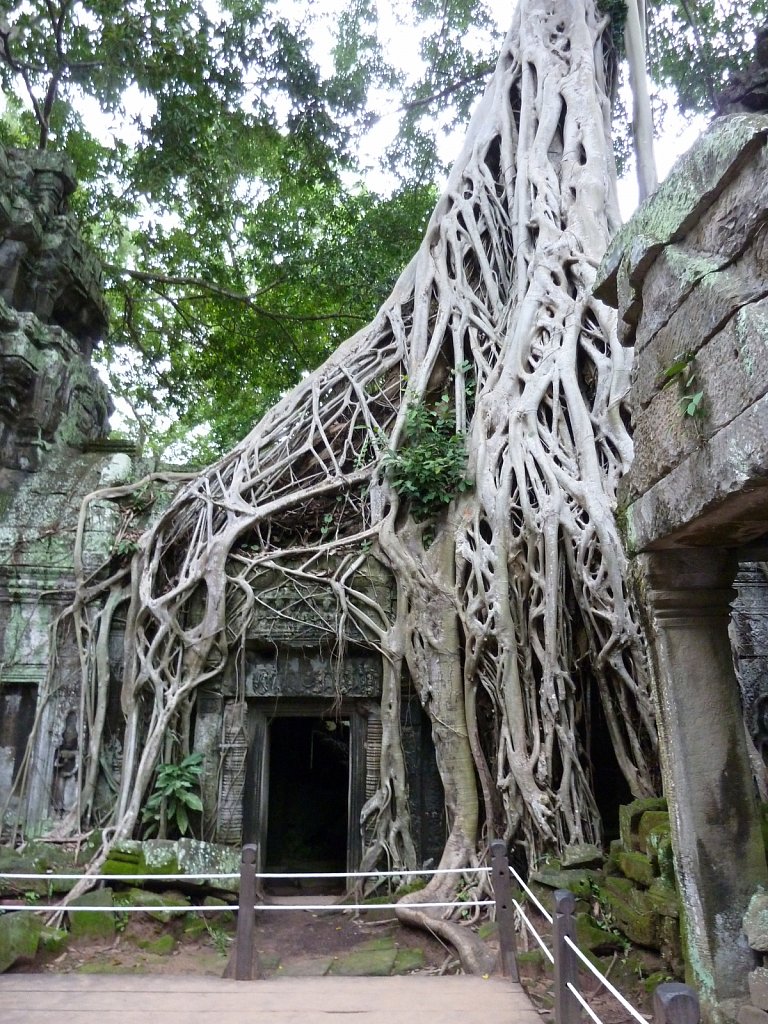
[178, 999]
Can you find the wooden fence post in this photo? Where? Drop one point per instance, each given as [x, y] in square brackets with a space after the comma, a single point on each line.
[246, 960]
[505, 914]
[675, 1003]
[567, 1009]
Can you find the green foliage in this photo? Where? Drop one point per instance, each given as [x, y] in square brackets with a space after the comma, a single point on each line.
[693, 48]
[224, 196]
[173, 796]
[682, 373]
[428, 470]
[239, 248]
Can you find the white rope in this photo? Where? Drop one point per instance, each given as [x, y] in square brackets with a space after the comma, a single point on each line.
[236, 874]
[572, 988]
[533, 932]
[176, 909]
[606, 984]
[531, 896]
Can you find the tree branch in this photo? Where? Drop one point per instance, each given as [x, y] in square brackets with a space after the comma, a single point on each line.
[449, 90]
[208, 288]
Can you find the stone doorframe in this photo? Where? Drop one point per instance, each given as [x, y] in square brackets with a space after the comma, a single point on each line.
[719, 853]
[261, 711]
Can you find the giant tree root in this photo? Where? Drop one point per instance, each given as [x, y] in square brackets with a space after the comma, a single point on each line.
[510, 613]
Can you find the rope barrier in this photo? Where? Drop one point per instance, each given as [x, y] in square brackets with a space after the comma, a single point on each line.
[533, 932]
[236, 874]
[531, 896]
[584, 1004]
[606, 984]
[176, 909]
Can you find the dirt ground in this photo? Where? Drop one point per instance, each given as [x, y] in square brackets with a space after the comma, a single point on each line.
[204, 944]
[302, 942]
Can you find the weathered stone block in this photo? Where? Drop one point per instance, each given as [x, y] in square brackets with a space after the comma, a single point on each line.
[143, 898]
[53, 940]
[664, 898]
[590, 936]
[670, 279]
[630, 815]
[687, 505]
[751, 1015]
[713, 301]
[92, 924]
[671, 944]
[650, 821]
[161, 946]
[177, 857]
[758, 987]
[579, 881]
[698, 178]
[732, 367]
[664, 437]
[756, 922]
[636, 866]
[582, 855]
[618, 885]
[635, 916]
[19, 937]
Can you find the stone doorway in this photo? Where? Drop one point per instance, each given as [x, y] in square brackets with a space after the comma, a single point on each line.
[305, 785]
[308, 794]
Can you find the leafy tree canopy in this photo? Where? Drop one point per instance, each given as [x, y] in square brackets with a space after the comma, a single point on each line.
[225, 195]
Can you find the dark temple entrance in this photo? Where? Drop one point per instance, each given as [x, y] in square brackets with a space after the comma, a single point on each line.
[309, 781]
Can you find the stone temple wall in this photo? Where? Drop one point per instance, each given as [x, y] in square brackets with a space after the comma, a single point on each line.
[689, 277]
[54, 422]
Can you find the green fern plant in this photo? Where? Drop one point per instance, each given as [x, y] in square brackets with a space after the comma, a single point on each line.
[174, 796]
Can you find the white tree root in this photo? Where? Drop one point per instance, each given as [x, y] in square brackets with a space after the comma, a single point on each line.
[511, 605]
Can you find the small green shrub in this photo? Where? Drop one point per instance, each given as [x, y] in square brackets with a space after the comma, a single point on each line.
[173, 796]
[428, 470]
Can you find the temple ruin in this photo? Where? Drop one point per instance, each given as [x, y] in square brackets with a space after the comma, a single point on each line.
[291, 704]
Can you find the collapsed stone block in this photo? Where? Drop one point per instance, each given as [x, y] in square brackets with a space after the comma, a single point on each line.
[758, 987]
[629, 819]
[756, 922]
[92, 924]
[19, 937]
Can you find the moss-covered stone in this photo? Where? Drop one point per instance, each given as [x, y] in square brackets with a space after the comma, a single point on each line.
[365, 963]
[37, 858]
[143, 898]
[636, 866]
[19, 937]
[629, 818]
[408, 960]
[582, 855]
[617, 885]
[221, 916]
[659, 847]
[635, 916]
[664, 898]
[579, 881]
[194, 925]
[53, 940]
[590, 936]
[162, 946]
[649, 821]
[671, 945]
[92, 924]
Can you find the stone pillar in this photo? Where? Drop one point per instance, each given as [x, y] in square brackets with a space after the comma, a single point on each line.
[719, 855]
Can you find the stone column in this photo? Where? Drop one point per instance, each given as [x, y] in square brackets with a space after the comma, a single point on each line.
[719, 855]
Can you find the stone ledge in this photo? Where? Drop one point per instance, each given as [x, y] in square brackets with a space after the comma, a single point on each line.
[686, 507]
[693, 186]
